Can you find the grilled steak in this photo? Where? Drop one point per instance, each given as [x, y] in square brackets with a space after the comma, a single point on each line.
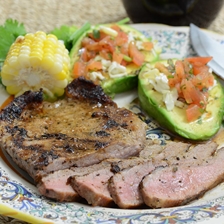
[180, 183]
[82, 129]
[57, 185]
[48, 186]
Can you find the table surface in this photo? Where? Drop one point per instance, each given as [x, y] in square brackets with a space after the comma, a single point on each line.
[47, 14]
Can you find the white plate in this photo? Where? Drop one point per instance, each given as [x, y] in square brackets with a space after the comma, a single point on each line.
[20, 199]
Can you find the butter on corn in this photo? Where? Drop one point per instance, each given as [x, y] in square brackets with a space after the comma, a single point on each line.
[36, 61]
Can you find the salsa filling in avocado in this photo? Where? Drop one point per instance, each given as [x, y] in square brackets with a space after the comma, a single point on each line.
[111, 55]
[184, 96]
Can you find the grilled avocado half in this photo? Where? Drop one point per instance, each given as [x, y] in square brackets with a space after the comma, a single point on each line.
[175, 120]
[113, 85]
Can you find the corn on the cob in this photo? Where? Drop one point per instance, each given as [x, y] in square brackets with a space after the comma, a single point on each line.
[36, 61]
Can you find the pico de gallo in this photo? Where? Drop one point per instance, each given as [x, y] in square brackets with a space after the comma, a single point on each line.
[192, 79]
[110, 52]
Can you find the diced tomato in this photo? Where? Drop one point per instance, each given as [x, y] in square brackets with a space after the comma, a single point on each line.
[203, 80]
[193, 112]
[94, 47]
[178, 87]
[91, 55]
[186, 88]
[94, 65]
[173, 80]
[137, 57]
[121, 39]
[108, 44]
[118, 57]
[124, 63]
[105, 54]
[199, 69]
[192, 94]
[199, 60]
[116, 28]
[179, 69]
[87, 41]
[84, 55]
[101, 36]
[147, 46]
[124, 49]
[187, 66]
[78, 69]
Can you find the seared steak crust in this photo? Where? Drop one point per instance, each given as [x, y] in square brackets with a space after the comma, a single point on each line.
[83, 129]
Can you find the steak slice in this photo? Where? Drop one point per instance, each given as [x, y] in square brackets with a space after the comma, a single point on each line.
[177, 185]
[124, 185]
[82, 129]
[93, 186]
[55, 186]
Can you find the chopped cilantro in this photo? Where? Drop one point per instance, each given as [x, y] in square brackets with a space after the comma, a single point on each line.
[96, 34]
[8, 33]
[64, 33]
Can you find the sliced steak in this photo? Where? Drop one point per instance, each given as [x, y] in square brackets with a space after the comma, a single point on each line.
[93, 185]
[56, 185]
[177, 185]
[65, 191]
[124, 185]
[82, 129]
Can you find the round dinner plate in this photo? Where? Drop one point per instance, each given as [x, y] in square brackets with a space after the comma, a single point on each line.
[20, 199]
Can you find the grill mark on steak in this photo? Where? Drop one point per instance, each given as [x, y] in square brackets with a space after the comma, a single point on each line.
[31, 99]
[83, 129]
[86, 90]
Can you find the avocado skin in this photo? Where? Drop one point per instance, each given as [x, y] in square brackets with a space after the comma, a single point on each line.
[113, 86]
[175, 121]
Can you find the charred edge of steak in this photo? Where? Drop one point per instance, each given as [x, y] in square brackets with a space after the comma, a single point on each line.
[16, 130]
[83, 89]
[16, 107]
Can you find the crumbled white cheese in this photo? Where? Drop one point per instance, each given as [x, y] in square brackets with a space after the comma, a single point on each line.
[96, 75]
[105, 64]
[159, 82]
[116, 70]
[130, 37]
[98, 58]
[170, 98]
[139, 45]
